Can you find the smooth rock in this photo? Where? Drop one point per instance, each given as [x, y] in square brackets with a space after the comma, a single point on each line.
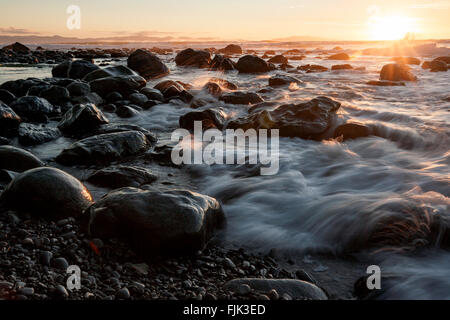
[121, 176]
[19, 160]
[147, 64]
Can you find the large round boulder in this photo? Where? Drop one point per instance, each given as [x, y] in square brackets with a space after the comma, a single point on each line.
[19, 160]
[48, 192]
[252, 64]
[105, 148]
[156, 222]
[396, 72]
[112, 71]
[79, 68]
[122, 84]
[147, 64]
[193, 58]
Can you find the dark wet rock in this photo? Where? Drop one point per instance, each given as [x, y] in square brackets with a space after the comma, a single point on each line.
[113, 71]
[59, 292]
[193, 58]
[239, 97]
[9, 121]
[210, 118]
[55, 95]
[147, 64]
[110, 107]
[213, 89]
[310, 68]
[60, 263]
[406, 60]
[49, 192]
[6, 96]
[198, 103]
[105, 148]
[81, 118]
[121, 176]
[138, 98]
[221, 63]
[37, 89]
[155, 222]
[339, 56]
[396, 72]
[231, 49]
[80, 68]
[16, 159]
[224, 83]
[45, 258]
[34, 108]
[4, 141]
[79, 89]
[34, 134]
[123, 294]
[113, 97]
[164, 85]
[126, 112]
[305, 120]
[6, 176]
[438, 66]
[267, 105]
[342, 67]
[296, 289]
[152, 94]
[122, 84]
[252, 64]
[385, 83]
[352, 130]
[17, 47]
[278, 59]
[61, 70]
[92, 98]
[123, 127]
[282, 80]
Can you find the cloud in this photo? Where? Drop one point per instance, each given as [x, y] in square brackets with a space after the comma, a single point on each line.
[16, 31]
[439, 5]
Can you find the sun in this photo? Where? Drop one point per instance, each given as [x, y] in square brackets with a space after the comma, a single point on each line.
[391, 27]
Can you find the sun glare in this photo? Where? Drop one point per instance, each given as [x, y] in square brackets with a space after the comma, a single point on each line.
[391, 27]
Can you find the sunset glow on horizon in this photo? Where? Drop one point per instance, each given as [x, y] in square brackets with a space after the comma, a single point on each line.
[173, 20]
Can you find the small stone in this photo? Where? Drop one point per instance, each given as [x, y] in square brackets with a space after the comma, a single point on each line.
[28, 242]
[187, 283]
[45, 258]
[263, 297]
[210, 296]
[123, 294]
[229, 263]
[273, 295]
[26, 291]
[60, 263]
[61, 292]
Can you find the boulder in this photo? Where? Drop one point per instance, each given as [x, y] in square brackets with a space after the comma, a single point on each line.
[55, 95]
[113, 71]
[210, 118]
[147, 64]
[61, 70]
[278, 59]
[352, 130]
[138, 98]
[438, 66]
[445, 59]
[240, 97]
[156, 222]
[396, 72]
[92, 98]
[224, 83]
[104, 148]
[19, 160]
[296, 289]
[339, 56]
[126, 112]
[32, 134]
[193, 58]
[342, 67]
[122, 84]
[231, 49]
[80, 68]
[152, 94]
[221, 63]
[47, 192]
[307, 120]
[282, 80]
[34, 108]
[77, 89]
[385, 83]
[9, 121]
[6, 96]
[252, 64]
[81, 118]
[121, 176]
[213, 89]
[122, 127]
[310, 68]
[17, 47]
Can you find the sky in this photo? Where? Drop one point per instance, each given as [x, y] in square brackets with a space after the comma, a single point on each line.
[231, 19]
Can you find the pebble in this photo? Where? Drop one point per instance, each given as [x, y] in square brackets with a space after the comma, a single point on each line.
[26, 291]
[60, 263]
[45, 258]
[61, 292]
[28, 242]
[229, 263]
[123, 294]
[273, 295]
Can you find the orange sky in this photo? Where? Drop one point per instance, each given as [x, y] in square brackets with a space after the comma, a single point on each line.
[232, 19]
